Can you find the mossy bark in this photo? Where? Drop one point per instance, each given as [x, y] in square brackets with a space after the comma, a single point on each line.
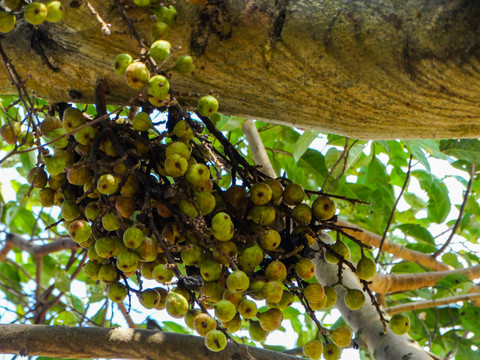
[366, 69]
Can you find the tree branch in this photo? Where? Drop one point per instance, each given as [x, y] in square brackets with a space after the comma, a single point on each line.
[15, 240]
[257, 148]
[112, 343]
[431, 303]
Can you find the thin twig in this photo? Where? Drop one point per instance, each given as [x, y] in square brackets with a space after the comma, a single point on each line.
[394, 208]
[336, 163]
[105, 25]
[460, 213]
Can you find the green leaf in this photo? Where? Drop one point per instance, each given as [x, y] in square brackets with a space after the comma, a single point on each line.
[414, 148]
[453, 284]
[452, 260]
[62, 280]
[376, 174]
[439, 204]
[417, 232]
[463, 149]
[470, 318]
[303, 143]
[407, 267]
[414, 201]
[171, 326]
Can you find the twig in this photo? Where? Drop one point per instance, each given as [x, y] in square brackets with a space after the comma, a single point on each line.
[258, 149]
[105, 26]
[336, 163]
[126, 315]
[460, 213]
[407, 177]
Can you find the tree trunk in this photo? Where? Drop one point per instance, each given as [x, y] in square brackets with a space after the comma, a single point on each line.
[365, 69]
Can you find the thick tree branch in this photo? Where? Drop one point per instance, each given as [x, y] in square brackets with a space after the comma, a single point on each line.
[363, 69]
[257, 148]
[431, 303]
[15, 240]
[114, 343]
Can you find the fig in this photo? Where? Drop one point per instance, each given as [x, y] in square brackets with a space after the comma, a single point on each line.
[133, 237]
[256, 332]
[366, 268]
[262, 214]
[210, 270]
[149, 298]
[338, 248]
[80, 231]
[72, 119]
[190, 317]
[37, 177]
[110, 222]
[270, 240]
[247, 309]
[35, 13]
[225, 310]
[302, 213]
[105, 247]
[46, 197]
[323, 208]
[354, 299]
[224, 252]
[91, 269]
[176, 165]
[137, 75]
[331, 352]
[117, 292]
[276, 271]
[260, 194]
[107, 273]
[273, 291]
[314, 293]
[203, 323]
[127, 261]
[313, 349]
[70, 210]
[107, 184]
[331, 295]
[184, 65]
[305, 268]
[207, 105]
[233, 325]
[55, 11]
[158, 87]
[341, 336]
[176, 305]
[293, 194]
[238, 281]
[215, 340]
[399, 324]
[7, 21]
[121, 63]
[9, 132]
[160, 50]
[162, 274]
[271, 319]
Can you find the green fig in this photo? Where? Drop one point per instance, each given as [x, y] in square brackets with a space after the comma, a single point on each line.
[137, 75]
[215, 340]
[91, 269]
[354, 299]
[313, 349]
[158, 87]
[210, 270]
[270, 240]
[149, 298]
[121, 63]
[55, 11]
[107, 184]
[338, 248]
[37, 177]
[256, 332]
[207, 105]
[305, 268]
[260, 194]
[238, 281]
[35, 13]
[271, 319]
[184, 65]
[203, 323]
[176, 305]
[107, 273]
[323, 208]
[7, 21]
[341, 336]
[160, 50]
[366, 268]
[117, 292]
[225, 310]
[293, 194]
[399, 324]
[80, 231]
[331, 352]
[127, 261]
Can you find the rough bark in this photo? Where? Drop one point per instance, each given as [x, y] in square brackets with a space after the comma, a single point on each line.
[365, 69]
[117, 343]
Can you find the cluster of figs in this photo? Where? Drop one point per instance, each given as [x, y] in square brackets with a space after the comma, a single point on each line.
[147, 204]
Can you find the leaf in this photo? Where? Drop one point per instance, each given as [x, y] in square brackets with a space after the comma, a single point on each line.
[453, 284]
[171, 326]
[376, 174]
[414, 201]
[417, 232]
[452, 260]
[407, 267]
[470, 318]
[463, 149]
[303, 143]
[439, 204]
[414, 148]
[62, 280]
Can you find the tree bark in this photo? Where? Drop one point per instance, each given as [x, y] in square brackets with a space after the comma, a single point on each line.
[365, 69]
[117, 343]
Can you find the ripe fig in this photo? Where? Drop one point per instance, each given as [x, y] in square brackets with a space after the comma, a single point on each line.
[78, 175]
[205, 202]
[221, 222]
[276, 271]
[260, 194]
[190, 317]
[270, 240]
[125, 206]
[271, 319]
[50, 123]
[305, 268]
[203, 323]
[149, 298]
[183, 131]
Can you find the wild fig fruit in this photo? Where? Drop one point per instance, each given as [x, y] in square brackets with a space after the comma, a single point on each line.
[127, 261]
[366, 268]
[270, 240]
[313, 349]
[276, 271]
[273, 291]
[37, 177]
[262, 214]
[323, 208]
[7, 21]
[55, 11]
[210, 271]
[399, 324]
[256, 332]
[293, 194]
[149, 298]
[162, 274]
[137, 75]
[158, 87]
[225, 310]
[35, 13]
[238, 281]
[207, 105]
[354, 299]
[166, 14]
[110, 222]
[305, 268]
[341, 336]
[107, 273]
[215, 340]
[203, 323]
[184, 65]
[176, 165]
[271, 319]
[339, 248]
[314, 293]
[176, 305]
[107, 184]
[117, 292]
[331, 352]
[302, 213]
[160, 50]
[247, 309]
[9, 132]
[80, 231]
[133, 237]
[260, 194]
[72, 118]
[122, 61]
[105, 246]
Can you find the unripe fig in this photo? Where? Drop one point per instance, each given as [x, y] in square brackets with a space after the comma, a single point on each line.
[184, 65]
[162, 274]
[107, 184]
[158, 87]
[54, 165]
[166, 14]
[287, 300]
[176, 305]
[60, 143]
[341, 249]
[233, 297]
[110, 222]
[271, 319]
[80, 231]
[331, 295]
[127, 261]
[46, 197]
[121, 63]
[12, 4]
[250, 258]
[72, 119]
[159, 51]
[183, 131]
[93, 256]
[305, 268]
[221, 222]
[313, 349]
[178, 147]
[190, 317]
[117, 292]
[399, 324]
[224, 252]
[176, 165]
[105, 247]
[247, 309]
[225, 310]
[207, 105]
[91, 211]
[159, 30]
[131, 187]
[260, 194]
[238, 281]
[293, 194]
[163, 298]
[205, 202]
[188, 209]
[237, 197]
[323, 208]
[137, 75]
[9, 132]
[210, 270]
[256, 332]
[213, 291]
[197, 173]
[262, 214]
[7, 21]
[193, 256]
[118, 247]
[273, 291]
[331, 352]
[302, 213]
[147, 251]
[203, 323]
[314, 293]
[276, 271]
[142, 2]
[85, 137]
[366, 268]
[215, 340]
[37, 177]
[233, 325]
[55, 11]
[133, 237]
[341, 336]
[50, 123]
[354, 299]
[57, 181]
[91, 269]
[70, 210]
[35, 13]
[149, 298]
[107, 273]
[270, 240]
